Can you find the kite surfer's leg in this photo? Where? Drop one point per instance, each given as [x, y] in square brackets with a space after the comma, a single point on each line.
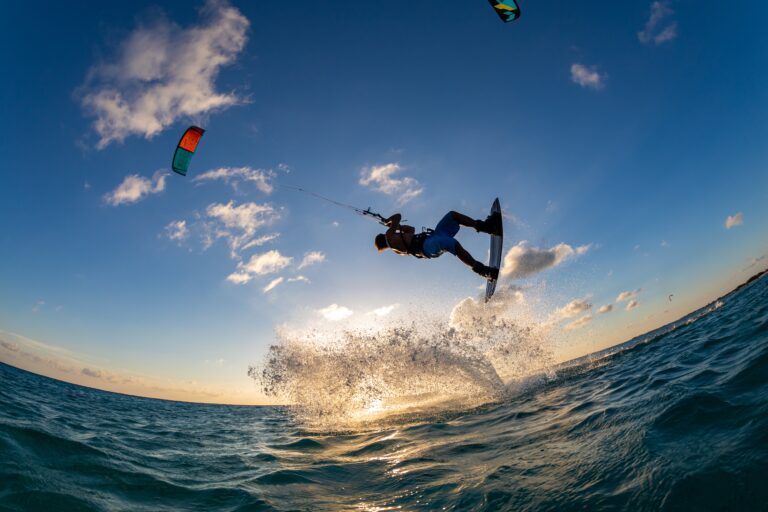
[491, 225]
[464, 256]
[477, 267]
[464, 220]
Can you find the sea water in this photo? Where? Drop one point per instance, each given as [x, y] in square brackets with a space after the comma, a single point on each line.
[673, 420]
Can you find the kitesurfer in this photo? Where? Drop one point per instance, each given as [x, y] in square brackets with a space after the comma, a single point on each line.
[404, 240]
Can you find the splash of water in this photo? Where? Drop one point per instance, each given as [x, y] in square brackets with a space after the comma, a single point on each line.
[336, 377]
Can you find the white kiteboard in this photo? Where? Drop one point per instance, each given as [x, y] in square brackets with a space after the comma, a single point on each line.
[495, 258]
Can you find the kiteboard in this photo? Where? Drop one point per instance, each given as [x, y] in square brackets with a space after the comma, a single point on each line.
[494, 260]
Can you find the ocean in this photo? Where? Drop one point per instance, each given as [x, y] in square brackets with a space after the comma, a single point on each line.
[676, 419]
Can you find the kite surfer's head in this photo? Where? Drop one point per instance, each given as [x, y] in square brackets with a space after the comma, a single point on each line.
[381, 242]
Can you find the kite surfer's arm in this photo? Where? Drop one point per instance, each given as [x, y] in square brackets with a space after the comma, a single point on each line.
[393, 221]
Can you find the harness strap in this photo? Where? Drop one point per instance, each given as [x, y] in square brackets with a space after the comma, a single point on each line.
[416, 247]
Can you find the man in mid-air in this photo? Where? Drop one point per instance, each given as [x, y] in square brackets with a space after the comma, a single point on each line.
[405, 241]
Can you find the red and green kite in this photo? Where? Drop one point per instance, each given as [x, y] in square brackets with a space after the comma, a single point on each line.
[186, 149]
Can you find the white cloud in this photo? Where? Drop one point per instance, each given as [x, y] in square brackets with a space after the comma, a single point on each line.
[163, 72]
[311, 258]
[523, 260]
[299, 279]
[238, 224]
[628, 295]
[135, 187]
[573, 308]
[656, 30]
[39, 304]
[587, 76]
[177, 230]
[381, 179]
[632, 304]
[235, 175]
[734, 220]
[239, 277]
[273, 284]
[384, 310]
[605, 309]
[259, 265]
[334, 312]
[581, 322]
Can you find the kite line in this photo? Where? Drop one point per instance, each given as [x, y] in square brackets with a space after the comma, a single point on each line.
[364, 212]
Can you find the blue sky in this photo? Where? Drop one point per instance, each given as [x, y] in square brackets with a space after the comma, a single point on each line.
[620, 137]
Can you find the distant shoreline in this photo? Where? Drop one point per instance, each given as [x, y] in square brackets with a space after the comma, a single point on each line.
[745, 283]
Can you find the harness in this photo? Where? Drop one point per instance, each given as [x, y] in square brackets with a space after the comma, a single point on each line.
[416, 247]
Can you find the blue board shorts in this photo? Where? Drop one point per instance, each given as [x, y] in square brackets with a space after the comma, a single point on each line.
[441, 239]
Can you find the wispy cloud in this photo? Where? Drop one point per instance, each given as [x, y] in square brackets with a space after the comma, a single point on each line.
[573, 308]
[177, 230]
[334, 312]
[605, 309]
[579, 323]
[384, 310]
[134, 187]
[523, 260]
[273, 284]
[88, 372]
[381, 179]
[657, 30]
[163, 72]
[311, 258]
[280, 280]
[588, 77]
[9, 345]
[628, 295]
[38, 305]
[632, 304]
[233, 176]
[734, 220]
[756, 261]
[259, 265]
[239, 224]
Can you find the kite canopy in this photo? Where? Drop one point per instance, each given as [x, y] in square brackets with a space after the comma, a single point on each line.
[506, 9]
[186, 148]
